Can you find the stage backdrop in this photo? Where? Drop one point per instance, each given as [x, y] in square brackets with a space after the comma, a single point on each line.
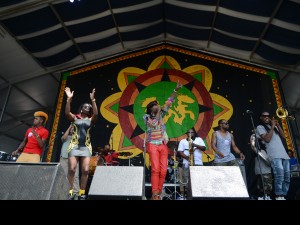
[213, 89]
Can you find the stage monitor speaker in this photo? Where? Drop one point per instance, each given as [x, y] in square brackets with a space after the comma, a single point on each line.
[33, 181]
[294, 189]
[117, 182]
[217, 182]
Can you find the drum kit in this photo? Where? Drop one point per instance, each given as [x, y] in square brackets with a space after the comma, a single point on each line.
[98, 159]
[4, 156]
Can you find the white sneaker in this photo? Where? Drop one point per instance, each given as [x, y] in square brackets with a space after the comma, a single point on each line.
[267, 197]
[260, 198]
[280, 198]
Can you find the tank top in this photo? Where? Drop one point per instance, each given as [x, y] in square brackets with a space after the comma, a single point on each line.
[224, 146]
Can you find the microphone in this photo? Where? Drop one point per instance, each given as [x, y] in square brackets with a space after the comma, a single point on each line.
[249, 111]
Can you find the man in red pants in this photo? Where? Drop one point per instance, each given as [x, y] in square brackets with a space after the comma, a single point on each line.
[157, 139]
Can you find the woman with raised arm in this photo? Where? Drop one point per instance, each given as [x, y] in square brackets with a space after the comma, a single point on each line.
[80, 148]
[157, 140]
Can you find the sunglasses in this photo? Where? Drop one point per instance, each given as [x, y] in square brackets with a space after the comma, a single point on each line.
[225, 123]
[265, 116]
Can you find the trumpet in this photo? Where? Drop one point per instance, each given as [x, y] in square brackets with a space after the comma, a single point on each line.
[282, 113]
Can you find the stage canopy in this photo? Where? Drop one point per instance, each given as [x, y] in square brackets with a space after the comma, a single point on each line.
[41, 38]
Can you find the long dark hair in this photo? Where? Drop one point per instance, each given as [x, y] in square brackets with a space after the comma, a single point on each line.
[149, 107]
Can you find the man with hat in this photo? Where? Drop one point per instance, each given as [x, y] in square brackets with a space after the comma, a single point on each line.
[34, 141]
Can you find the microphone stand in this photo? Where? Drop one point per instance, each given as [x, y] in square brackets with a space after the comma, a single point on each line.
[175, 173]
[207, 156]
[296, 148]
[257, 148]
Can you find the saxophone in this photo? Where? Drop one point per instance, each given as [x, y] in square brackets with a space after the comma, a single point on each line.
[191, 150]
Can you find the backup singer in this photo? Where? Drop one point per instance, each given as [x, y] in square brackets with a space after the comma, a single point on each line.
[64, 159]
[157, 139]
[270, 131]
[80, 148]
[34, 141]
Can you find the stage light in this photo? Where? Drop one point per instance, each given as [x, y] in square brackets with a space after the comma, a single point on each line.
[72, 1]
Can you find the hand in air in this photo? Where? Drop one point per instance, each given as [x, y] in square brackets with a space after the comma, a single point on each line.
[92, 95]
[178, 86]
[68, 92]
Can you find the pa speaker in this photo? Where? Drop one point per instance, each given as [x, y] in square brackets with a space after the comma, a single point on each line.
[33, 181]
[217, 182]
[117, 182]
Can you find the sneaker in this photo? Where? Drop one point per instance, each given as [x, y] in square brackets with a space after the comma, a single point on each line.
[71, 197]
[260, 198]
[181, 198]
[280, 198]
[82, 197]
[267, 197]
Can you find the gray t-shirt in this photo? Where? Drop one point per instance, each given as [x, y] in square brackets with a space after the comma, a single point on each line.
[65, 146]
[275, 148]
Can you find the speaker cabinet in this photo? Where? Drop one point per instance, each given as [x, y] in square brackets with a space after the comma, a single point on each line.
[33, 181]
[117, 182]
[217, 182]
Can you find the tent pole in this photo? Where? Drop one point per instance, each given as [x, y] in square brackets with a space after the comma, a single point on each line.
[5, 103]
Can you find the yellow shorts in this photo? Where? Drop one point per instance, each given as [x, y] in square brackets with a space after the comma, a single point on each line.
[27, 157]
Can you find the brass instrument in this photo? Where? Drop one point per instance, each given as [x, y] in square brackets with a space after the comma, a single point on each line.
[282, 113]
[191, 150]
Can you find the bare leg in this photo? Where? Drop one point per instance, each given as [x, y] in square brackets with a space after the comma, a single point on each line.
[84, 162]
[72, 164]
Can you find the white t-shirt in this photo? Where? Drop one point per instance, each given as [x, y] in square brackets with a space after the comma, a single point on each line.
[184, 147]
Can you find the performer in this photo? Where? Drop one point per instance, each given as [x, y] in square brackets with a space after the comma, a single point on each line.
[270, 131]
[64, 159]
[109, 155]
[80, 148]
[183, 148]
[34, 141]
[156, 142]
[262, 170]
[221, 142]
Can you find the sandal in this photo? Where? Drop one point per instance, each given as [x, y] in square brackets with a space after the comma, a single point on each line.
[156, 197]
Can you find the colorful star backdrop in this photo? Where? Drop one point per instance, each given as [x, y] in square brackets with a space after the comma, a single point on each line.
[214, 89]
